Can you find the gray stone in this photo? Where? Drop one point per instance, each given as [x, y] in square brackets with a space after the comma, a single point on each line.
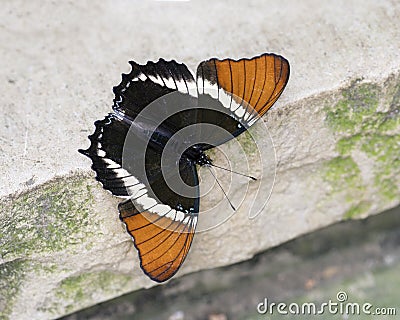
[359, 258]
[335, 131]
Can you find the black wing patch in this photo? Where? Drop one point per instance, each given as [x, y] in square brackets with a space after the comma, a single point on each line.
[147, 83]
[105, 151]
[144, 85]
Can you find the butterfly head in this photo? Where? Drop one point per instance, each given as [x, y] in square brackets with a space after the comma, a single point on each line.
[203, 160]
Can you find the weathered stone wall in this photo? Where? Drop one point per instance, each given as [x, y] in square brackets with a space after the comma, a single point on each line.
[335, 130]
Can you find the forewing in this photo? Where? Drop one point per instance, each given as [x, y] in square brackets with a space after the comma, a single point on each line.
[147, 83]
[105, 151]
[245, 88]
[144, 85]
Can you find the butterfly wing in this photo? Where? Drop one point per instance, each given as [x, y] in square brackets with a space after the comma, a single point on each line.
[162, 242]
[162, 233]
[242, 89]
[161, 221]
[144, 85]
[105, 151]
[147, 83]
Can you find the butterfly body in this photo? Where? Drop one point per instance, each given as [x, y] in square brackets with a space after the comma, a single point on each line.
[163, 121]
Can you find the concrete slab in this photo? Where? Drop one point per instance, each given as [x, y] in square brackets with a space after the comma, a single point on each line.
[335, 131]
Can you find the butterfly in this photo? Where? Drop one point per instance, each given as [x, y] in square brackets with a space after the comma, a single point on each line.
[163, 122]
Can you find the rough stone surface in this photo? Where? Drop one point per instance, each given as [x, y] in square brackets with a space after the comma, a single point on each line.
[360, 258]
[336, 132]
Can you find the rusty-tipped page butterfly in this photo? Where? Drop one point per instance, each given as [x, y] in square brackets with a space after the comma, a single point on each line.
[163, 121]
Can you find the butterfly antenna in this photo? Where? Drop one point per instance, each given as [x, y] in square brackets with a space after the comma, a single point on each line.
[226, 196]
[240, 174]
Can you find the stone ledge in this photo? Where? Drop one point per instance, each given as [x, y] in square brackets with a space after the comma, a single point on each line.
[306, 269]
[335, 130]
[62, 236]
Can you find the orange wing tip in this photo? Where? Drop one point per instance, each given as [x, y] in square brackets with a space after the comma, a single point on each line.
[252, 85]
[162, 242]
